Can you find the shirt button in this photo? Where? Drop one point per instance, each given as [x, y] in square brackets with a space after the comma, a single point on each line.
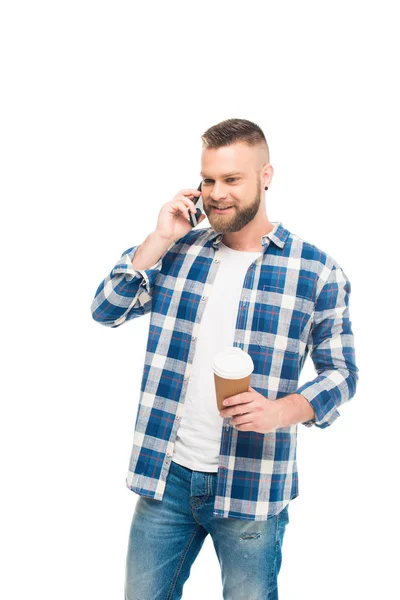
[169, 455]
[193, 338]
[216, 260]
[178, 418]
[186, 378]
[203, 298]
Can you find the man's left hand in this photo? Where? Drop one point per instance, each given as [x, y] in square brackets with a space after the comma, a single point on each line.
[251, 411]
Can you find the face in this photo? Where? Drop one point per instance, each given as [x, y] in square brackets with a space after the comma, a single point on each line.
[231, 177]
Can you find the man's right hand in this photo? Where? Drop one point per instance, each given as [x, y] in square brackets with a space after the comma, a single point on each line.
[173, 220]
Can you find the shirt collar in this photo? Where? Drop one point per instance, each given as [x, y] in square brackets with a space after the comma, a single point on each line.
[278, 235]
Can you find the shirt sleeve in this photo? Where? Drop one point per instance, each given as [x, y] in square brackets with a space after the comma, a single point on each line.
[331, 345]
[125, 293]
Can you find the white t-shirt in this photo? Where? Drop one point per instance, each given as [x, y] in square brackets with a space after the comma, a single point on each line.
[197, 445]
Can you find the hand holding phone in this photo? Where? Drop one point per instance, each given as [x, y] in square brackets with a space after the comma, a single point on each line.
[198, 201]
[173, 222]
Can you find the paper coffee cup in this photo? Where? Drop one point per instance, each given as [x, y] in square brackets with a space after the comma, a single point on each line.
[232, 372]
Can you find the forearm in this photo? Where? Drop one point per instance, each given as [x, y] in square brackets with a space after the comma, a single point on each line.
[126, 293]
[293, 409]
[331, 346]
[150, 251]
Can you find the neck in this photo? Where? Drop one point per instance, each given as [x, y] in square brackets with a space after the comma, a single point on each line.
[249, 241]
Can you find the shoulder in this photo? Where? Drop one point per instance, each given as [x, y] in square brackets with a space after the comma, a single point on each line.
[196, 237]
[315, 262]
[310, 253]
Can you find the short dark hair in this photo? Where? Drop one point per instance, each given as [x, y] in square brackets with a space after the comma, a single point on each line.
[234, 130]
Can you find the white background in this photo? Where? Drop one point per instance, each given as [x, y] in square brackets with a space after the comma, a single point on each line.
[102, 109]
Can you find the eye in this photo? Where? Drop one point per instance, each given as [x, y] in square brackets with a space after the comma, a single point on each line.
[205, 181]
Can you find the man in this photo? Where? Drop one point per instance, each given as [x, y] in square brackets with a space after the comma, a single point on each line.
[242, 282]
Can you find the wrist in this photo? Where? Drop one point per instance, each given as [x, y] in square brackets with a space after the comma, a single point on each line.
[293, 409]
[155, 235]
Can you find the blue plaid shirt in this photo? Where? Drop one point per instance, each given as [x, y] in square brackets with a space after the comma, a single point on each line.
[295, 301]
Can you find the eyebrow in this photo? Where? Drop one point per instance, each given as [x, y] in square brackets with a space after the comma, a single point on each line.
[226, 174]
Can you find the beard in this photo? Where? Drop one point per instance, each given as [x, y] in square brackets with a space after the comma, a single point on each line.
[238, 218]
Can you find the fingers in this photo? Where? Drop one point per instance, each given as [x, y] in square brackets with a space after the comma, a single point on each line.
[183, 207]
[189, 204]
[190, 192]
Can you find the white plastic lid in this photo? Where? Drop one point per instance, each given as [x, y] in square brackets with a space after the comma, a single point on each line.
[233, 363]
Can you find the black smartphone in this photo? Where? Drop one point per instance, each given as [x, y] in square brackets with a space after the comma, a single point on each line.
[198, 201]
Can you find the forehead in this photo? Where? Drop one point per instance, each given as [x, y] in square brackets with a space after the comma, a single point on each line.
[222, 174]
[227, 160]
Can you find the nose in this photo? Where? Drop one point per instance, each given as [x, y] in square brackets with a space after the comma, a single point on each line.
[218, 192]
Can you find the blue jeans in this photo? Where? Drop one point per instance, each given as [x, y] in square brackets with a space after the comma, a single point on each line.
[166, 537]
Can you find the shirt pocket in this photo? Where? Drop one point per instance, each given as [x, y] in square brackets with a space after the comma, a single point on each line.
[282, 321]
[281, 367]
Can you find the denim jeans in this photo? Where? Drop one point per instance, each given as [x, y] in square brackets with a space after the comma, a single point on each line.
[166, 536]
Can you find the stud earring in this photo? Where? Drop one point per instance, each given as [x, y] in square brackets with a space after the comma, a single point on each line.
[266, 187]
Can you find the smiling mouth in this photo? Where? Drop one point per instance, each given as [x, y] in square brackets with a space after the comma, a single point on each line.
[221, 210]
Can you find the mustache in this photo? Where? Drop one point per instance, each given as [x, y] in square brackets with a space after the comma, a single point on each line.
[221, 205]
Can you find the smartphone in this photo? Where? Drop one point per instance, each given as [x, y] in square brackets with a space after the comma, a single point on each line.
[198, 201]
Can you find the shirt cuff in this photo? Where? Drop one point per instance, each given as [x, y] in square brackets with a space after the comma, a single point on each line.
[310, 391]
[124, 266]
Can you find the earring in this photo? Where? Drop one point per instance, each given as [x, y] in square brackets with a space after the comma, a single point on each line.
[266, 187]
